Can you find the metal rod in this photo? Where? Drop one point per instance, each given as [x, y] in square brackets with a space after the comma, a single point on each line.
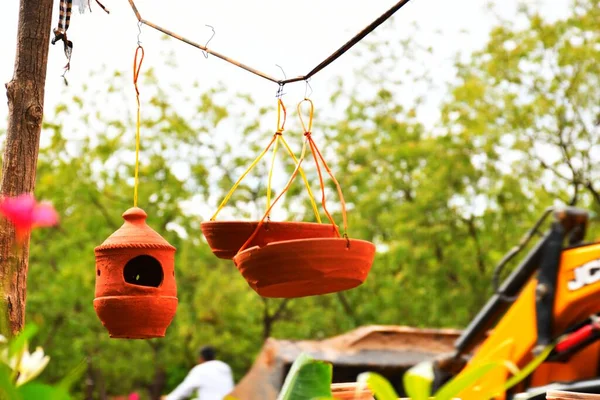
[214, 53]
[135, 10]
[357, 38]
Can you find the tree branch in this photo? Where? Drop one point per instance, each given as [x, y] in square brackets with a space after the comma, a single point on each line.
[269, 319]
[54, 327]
[103, 211]
[478, 252]
[280, 309]
[594, 192]
[575, 197]
[348, 308]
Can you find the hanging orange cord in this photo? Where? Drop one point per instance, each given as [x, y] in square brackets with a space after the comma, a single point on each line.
[315, 151]
[136, 73]
[285, 189]
[278, 136]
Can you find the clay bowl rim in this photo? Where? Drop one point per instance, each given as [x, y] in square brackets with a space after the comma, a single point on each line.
[265, 223]
[284, 243]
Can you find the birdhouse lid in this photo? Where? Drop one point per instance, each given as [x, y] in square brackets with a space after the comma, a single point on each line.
[135, 233]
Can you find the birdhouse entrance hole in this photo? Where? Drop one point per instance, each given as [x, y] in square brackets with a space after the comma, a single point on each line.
[143, 271]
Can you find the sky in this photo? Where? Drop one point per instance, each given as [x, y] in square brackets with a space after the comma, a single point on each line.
[261, 33]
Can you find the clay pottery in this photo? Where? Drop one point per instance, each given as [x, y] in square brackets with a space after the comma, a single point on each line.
[351, 391]
[560, 395]
[136, 294]
[225, 238]
[306, 267]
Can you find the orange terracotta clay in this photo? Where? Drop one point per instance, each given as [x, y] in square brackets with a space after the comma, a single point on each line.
[136, 293]
[225, 238]
[561, 395]
[351, 391]
[306, 267]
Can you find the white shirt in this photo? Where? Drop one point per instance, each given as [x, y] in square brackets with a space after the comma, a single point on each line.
[211, 380]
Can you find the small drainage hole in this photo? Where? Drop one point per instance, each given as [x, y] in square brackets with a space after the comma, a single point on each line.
[143, 271]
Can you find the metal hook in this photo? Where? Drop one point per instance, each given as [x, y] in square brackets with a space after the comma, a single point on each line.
[139, 33]
[280, 90]
[211, 38]
[307, 87]
[280, 93]
[284, 75]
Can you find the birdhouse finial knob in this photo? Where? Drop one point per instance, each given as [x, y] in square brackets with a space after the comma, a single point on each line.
[135, 214]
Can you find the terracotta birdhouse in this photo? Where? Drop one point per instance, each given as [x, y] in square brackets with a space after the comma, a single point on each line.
[136, 294]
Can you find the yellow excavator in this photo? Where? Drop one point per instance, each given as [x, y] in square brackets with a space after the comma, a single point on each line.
[551, 298]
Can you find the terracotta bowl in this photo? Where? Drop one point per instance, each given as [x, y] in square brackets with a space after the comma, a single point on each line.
[136, 317]
[225, 238]
[306, 267]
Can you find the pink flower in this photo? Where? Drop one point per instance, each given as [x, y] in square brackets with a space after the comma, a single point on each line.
[134, 396]
[25, 214]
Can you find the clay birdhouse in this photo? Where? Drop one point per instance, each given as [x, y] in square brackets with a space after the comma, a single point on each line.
[136, 294]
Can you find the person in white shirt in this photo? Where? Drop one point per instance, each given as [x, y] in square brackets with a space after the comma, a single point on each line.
[211, 379]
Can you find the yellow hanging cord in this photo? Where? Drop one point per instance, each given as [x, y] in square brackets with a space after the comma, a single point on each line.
[278, 135]
[250, 168]
[136, 74]
[310, 115]
[285, 189]
[337, 186]
[271, 171]
[315, 150]
[303, 175]
[280, 107]
[313, 203]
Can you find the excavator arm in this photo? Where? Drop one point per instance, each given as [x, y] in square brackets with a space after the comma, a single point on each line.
[550, 297]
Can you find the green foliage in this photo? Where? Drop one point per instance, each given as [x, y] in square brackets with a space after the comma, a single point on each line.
[384, 390]
[20, 369]
[418, 381]
[311, 379]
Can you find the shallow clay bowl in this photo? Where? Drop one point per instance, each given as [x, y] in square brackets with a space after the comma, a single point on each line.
[136, 317]
[306, 267]
[225, 238]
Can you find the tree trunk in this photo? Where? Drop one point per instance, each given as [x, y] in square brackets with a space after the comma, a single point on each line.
[25, 94]
[157, 387]
[90, 382]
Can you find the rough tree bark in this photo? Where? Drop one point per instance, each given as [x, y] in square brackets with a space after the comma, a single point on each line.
[25, 94]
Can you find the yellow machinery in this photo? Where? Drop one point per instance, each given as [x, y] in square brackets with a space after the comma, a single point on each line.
[552, 297]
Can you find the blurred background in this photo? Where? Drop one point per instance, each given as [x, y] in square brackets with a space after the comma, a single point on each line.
[450, 129]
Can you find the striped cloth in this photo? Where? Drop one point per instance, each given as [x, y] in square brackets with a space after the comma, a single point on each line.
[60, 33]
[64, 19]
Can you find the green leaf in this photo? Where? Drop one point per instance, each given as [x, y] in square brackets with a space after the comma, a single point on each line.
[380, 386]
[418, 381]
[39, 391]
[7, 389]
[308, 379]
[73, 376]
[525, 372]
[463, 381]
[18, 343]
